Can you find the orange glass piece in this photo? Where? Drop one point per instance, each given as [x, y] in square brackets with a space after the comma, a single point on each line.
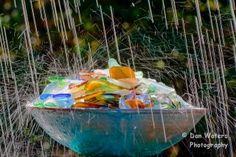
[72, 85]
[85, 75]
[135, 103]
[121, 72]
[96, 101]
[86, 105]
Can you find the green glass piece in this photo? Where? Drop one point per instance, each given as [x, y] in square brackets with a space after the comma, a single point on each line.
[112, 62]
[56, 79]
[50, 104]
[167, 106]
[39, 104]
[103, 78]
[139, 74]
[155, 102]
[152, 89]
[177, 104]
[109, 97]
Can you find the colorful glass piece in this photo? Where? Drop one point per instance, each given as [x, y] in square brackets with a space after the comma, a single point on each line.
[121, 72]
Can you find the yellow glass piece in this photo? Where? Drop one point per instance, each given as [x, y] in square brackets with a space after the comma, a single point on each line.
[89, 96]
[121, 72]
[100, 85]
[96, 101]
[151, 105]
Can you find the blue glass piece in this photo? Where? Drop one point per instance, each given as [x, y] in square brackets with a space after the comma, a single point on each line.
[61, 96]
[63, 100]
[144, 98]
[122, 104]
[45, 96]
[130, 96]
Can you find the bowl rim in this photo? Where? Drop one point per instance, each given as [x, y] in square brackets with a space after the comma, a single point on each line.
[107, 110]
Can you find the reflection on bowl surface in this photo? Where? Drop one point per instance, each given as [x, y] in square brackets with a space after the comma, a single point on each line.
[101, 132]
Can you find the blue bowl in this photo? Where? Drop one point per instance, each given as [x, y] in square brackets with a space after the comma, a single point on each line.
[105, 132]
